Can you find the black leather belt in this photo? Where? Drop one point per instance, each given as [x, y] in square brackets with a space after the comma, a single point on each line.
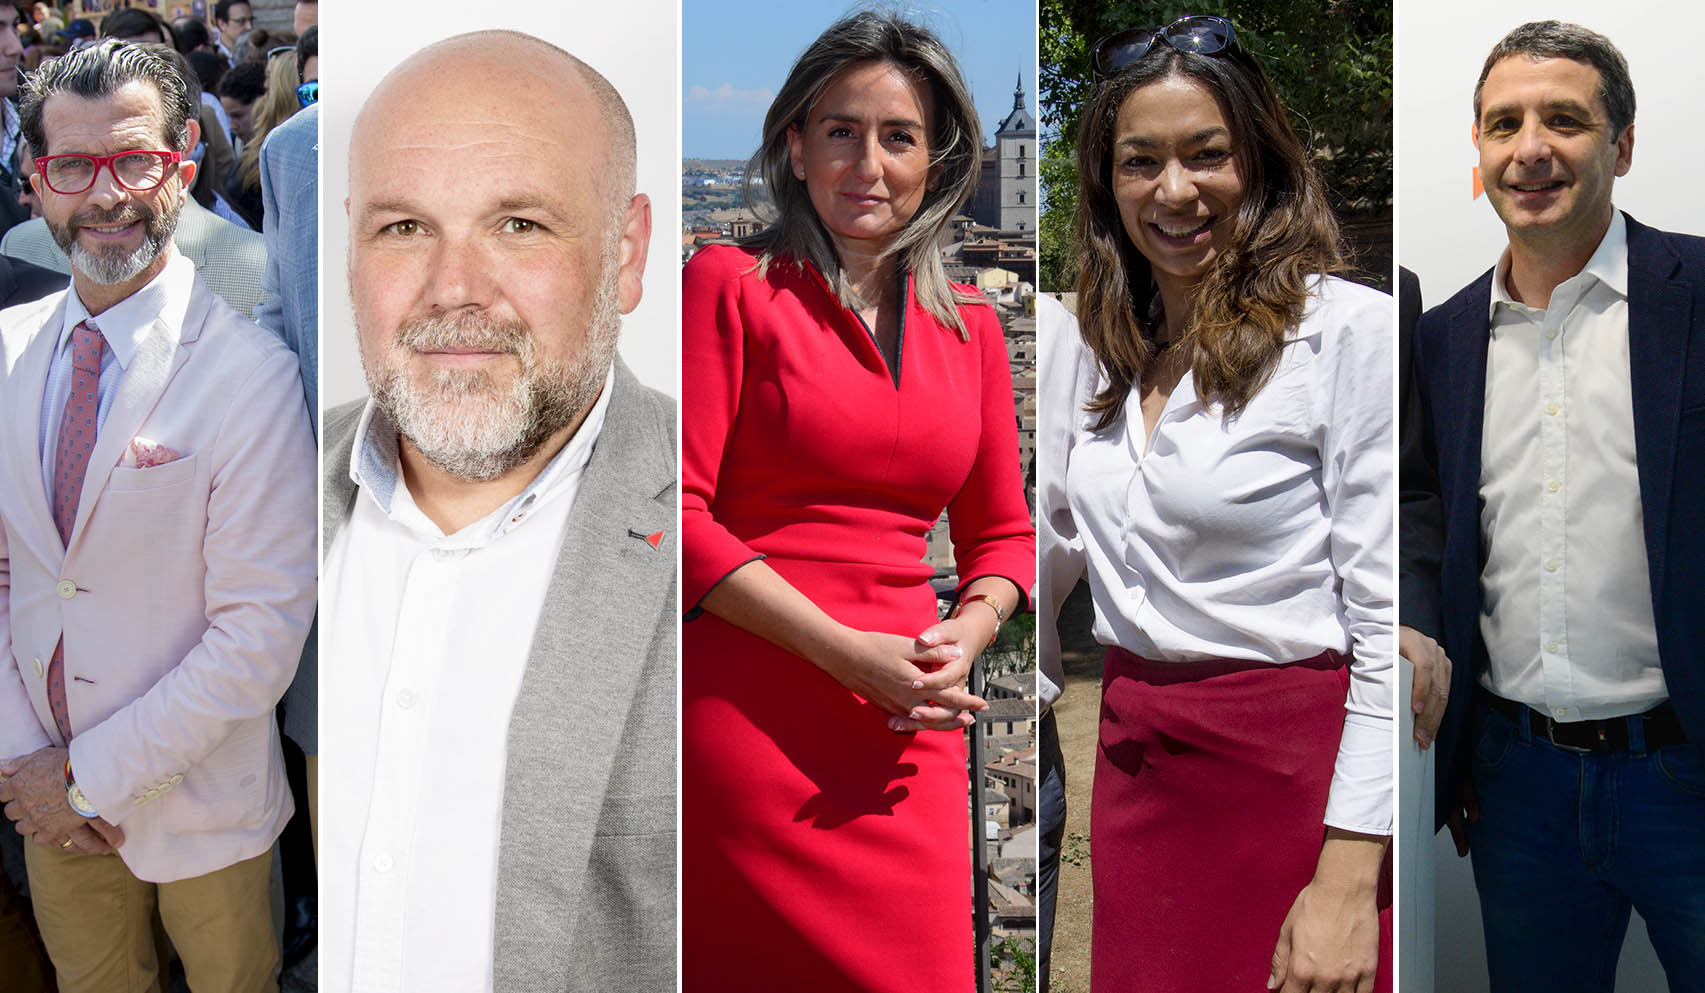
[1662, 727]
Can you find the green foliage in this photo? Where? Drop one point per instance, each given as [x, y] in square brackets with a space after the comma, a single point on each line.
[1019, 962]
[1014, 649]
[1075, 852]
[1329, 59]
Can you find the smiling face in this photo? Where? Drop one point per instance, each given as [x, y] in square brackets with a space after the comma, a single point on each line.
[1176, 179]
[864, 154]
[1547, 156]
[483, 268]
[116, 238]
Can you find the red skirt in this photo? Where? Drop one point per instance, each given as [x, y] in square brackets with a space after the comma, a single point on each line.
[1206, 819]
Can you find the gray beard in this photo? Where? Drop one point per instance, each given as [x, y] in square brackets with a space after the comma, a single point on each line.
[112, 268]
[469, 426]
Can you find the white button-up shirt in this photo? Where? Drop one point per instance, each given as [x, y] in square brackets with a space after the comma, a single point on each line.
[424, 640]
[1566, 597]
[1266, 537]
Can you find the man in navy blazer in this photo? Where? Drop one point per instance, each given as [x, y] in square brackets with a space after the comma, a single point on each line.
[1563, 404]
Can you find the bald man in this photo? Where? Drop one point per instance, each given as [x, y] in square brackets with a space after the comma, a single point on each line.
[498, 609]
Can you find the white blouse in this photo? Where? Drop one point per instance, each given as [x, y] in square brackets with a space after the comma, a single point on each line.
[1266, 537]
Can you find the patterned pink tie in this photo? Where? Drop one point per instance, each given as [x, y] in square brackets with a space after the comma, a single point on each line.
[70, 464]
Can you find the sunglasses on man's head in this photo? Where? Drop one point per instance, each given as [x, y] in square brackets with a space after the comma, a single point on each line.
[1202, 34]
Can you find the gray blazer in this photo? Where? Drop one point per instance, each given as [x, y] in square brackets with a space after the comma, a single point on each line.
[586, 866]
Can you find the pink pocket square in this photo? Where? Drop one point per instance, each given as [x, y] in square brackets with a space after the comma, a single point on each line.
[150, 453]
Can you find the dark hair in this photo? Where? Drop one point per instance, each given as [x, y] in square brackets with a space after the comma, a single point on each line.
[192, 34]
[1254, 292]
[210, 67]
[307, 47]
[130, 23]
[222, 9]
[244, 82]
[956, 145]
[1561, 40]
[101, 70]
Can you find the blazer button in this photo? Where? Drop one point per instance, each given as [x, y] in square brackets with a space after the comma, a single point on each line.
[67, 589]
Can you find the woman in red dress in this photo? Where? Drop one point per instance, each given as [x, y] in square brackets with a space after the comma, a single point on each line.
[838, 394]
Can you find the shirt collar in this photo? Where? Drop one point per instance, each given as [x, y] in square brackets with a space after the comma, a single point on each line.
[375, 467]
[1608, 265]
[125, 324]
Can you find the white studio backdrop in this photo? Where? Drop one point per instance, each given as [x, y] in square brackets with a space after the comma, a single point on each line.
[634, 44]
[1448, 237]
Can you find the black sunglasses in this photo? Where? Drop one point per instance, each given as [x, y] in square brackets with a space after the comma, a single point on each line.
[1202, 34]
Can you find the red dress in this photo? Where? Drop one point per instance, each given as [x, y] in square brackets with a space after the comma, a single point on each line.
[822, 851]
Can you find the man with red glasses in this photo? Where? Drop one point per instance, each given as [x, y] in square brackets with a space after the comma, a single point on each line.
[156, 487]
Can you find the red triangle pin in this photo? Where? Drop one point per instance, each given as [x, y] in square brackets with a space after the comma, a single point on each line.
[654, 540]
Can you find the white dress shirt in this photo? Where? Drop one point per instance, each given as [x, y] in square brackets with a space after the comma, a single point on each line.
[1566, 597]
[1265, 537]
[424, 641]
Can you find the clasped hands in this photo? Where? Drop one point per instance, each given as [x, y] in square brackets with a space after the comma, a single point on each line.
[919, 681]
[33, 790]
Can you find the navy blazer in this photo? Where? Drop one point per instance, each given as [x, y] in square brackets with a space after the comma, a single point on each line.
[1666, 339]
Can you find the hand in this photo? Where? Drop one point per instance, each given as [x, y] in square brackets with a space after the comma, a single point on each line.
[1329, 942]
[1462, 815]
[903, 676]
[971, 631]
[33, 790]
[1431, 690]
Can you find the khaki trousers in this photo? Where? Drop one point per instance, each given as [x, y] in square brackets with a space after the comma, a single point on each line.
[97, 922]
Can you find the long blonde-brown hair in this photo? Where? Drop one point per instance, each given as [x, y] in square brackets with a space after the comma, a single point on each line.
[1254, 291]
[955, 142]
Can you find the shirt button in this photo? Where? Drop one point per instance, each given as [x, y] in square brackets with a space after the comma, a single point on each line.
[1553, 486]
[1551, 646]
[67, 589]
[1550, 336]
[1552, 408]
[37, 663]
[1553, 566]
[383, 863]
[1560, 713]
[405, 699]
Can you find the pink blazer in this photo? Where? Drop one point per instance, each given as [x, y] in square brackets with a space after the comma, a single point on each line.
[185, 593]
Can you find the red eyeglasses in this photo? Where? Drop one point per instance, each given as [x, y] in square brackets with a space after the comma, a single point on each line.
[138, 171]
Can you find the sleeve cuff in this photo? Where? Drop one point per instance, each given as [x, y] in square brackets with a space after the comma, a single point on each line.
[1023, 594]
[1360, 799]
[692, 613]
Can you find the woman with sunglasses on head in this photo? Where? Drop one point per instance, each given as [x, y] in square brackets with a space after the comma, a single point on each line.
[838, 393]
[1216, 458]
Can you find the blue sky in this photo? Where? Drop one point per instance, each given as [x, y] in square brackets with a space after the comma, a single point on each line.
[736, 53]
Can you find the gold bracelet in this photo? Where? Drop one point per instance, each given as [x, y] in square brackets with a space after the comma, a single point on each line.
[1000, 615]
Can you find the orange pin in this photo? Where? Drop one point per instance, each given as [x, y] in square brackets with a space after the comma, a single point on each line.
[655, 539]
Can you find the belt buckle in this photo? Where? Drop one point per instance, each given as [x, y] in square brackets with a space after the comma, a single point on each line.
[1551, 736]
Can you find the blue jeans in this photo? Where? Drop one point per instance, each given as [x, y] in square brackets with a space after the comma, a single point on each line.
[1052, 815]
[1567, 843]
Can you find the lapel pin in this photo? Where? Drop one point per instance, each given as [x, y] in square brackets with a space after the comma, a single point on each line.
[654, 540]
